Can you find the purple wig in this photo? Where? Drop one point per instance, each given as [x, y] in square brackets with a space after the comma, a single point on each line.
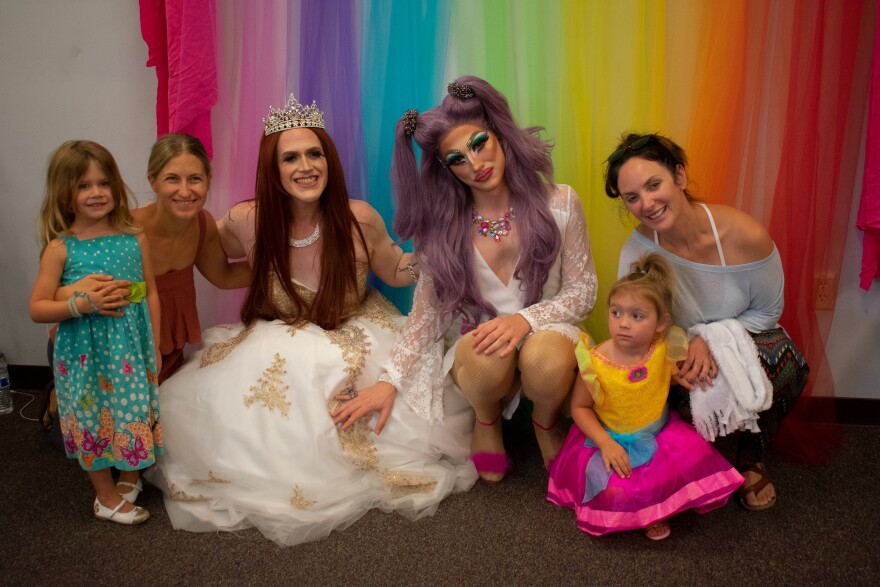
[434, 207]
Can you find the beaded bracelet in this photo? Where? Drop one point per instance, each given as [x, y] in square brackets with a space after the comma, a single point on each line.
[88, 299]
[410, 268]
[71, 305]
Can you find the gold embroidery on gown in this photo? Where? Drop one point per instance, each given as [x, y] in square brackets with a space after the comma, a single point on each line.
[299, 501]
[355, 348]
[212, 478]
[380, 311]
[287, 310]
[179, 495]
[357, 442]
[220, 350]
[403, 483]
[294, 328]
[270, 388]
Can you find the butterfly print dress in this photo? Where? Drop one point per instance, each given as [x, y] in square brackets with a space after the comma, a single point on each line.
[105, 367]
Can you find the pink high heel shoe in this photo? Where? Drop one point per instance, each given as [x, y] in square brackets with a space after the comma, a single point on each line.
[493, 463]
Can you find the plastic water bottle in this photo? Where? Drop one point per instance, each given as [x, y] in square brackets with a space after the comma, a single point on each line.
[5, 392]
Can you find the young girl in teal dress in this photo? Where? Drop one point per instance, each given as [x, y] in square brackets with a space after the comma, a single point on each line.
[628, 463]
[105, 367]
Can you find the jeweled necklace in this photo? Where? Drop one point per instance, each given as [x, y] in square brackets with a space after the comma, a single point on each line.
[493, 228]
[309, 240]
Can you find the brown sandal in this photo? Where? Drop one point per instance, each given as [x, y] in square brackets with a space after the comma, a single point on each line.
[756, 487]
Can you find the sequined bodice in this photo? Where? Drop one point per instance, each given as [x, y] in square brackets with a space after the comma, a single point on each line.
[353, 300]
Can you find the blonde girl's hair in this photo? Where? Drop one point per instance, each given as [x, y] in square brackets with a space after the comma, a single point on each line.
[68, 164]
[170, 146]
[652, 278]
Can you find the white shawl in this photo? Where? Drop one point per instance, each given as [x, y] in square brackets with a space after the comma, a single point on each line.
[740, 390]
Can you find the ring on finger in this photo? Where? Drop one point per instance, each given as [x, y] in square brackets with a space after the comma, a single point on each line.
[351, 392]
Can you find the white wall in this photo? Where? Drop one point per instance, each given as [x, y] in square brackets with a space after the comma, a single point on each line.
[76, 69]
[853, 347]
[68, 70]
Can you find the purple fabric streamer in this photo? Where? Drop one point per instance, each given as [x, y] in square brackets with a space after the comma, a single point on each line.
[329, 42]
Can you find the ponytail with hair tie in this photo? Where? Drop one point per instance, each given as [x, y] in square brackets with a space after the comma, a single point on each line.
[410, 120]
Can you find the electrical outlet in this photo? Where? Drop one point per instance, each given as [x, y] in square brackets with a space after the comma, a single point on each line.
[826, 291]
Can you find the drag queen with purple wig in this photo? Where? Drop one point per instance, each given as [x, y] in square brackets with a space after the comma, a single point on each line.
[506, 273]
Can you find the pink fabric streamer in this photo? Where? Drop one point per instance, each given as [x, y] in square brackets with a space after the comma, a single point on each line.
[869, 206]
[181, 41]
[251, 78]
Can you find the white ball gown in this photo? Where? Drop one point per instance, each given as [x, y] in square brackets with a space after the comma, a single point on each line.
[250, 442]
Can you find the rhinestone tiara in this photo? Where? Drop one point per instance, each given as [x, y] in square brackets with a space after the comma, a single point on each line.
[293, 115]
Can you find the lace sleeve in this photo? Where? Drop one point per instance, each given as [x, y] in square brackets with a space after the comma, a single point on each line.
[577, 295]
[415, 367]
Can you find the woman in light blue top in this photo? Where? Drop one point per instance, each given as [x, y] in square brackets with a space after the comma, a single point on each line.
[726, 266]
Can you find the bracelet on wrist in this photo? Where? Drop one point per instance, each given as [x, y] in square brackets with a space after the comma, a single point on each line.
[91, 303]
[410, 268]
[71, 305]
[78, 294]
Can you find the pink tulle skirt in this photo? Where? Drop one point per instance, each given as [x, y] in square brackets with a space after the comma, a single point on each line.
[685, 473]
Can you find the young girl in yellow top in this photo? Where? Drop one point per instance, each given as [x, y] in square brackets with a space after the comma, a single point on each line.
[628, 463]
[105, 368]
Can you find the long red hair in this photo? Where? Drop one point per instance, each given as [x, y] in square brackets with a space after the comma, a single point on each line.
[274, 217]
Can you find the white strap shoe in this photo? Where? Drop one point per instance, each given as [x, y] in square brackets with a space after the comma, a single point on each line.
[132, 495]
[136, 516]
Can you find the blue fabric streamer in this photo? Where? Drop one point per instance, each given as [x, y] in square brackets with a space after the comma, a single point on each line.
[403, 60]
[640, 447]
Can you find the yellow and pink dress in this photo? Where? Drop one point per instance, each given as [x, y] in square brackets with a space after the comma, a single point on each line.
[673, 467]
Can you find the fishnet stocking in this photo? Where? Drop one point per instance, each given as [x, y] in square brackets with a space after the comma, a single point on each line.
[483, 379]
[546, 366]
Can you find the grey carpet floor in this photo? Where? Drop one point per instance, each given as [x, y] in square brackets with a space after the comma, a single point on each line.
[823, 531]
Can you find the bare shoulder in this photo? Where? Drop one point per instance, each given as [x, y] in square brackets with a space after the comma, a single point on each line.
[370, 220]
[742, 235]
[363, 212]
[146, 216]
[244, 206]
[240, 212]
[55, 249]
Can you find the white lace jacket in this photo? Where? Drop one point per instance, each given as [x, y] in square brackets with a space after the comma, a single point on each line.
[417, 368]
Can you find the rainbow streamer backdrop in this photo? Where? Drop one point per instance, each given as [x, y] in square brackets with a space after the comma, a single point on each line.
[767, 97]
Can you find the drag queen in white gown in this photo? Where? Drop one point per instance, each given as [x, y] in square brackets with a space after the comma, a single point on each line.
[248, 432]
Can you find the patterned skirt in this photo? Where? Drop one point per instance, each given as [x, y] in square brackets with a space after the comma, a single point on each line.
[787, 370]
